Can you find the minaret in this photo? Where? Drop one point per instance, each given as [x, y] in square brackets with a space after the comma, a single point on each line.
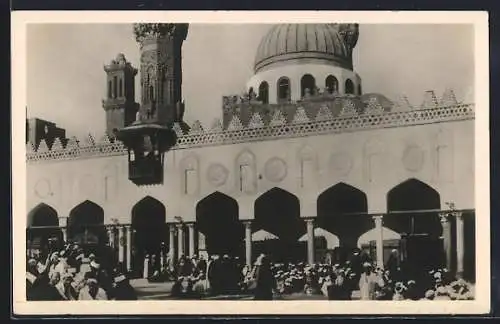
[120, 105]
[161, 71]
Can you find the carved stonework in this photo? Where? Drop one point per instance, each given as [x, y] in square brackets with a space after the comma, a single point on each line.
[196, 128]
[348, 109]
[324, 113]
[57, 145]
[374, 107]
[275, 169]
[341, 163]
[217, 175]
[216, 135]
[413, 158]
[300, 116]
[448, 99]
[235, 124]
[430, 100]
[43, 188]
[278, 119]
[256, 121]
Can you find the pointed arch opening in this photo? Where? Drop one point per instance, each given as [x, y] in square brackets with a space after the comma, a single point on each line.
[413, 212]
[264, 92]
[217, 220]
[342, 210]
[349, 86]
[277, 212]
[307, 85]
[331, 84]
[43, 230]
[86, 225]
[284, 90]
[149, 232]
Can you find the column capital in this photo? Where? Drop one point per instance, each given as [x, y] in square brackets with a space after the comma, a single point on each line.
[179, 226]
[378, 217]
[309, 220]
[444, 217]
[171, 228]
[190, 224]
[457, 214]
[247, 222]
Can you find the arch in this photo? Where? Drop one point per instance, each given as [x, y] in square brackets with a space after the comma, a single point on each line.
[217, 220]
[349, 86]
[264, 92]
[42, 225]
[86, 224]
[284, 86]
[278, 211]
[115, 85]
[110, 89]
[342, 209]
[332, 240]
[413, 197]
[360, 92]
[307, 82]
[42, 215]
[150, 231]
[371, 235]
[418, 221]
[331, 84]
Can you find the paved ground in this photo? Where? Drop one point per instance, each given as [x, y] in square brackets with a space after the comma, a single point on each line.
[161, 291]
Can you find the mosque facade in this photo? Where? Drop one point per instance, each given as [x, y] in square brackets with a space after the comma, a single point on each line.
[303, 165]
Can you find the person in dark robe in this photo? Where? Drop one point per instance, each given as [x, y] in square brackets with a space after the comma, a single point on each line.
[265, 281]
[122, 289]
[47, 291]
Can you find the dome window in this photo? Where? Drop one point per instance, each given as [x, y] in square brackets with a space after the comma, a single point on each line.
[307, 85]
[349, 87]
[283, 89]
[332, 84]
[264, 92]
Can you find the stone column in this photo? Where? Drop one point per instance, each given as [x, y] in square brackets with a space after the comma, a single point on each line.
[379, 240]
[191, 239]
[109, 230]
[64, 231]
[171, 242]
[460, 243]
[248, 242]
[121, 244]
[445, 223]
[128, 230]
[180, 240]
[310, 240]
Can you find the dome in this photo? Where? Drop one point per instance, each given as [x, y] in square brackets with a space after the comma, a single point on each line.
[290, 42]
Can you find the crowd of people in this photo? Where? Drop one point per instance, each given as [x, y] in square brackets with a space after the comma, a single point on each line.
[72, 274]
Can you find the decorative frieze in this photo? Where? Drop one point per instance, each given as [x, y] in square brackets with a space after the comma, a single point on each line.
[236, 133]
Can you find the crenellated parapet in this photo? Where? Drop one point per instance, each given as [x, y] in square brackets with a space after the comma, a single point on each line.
[347, 114]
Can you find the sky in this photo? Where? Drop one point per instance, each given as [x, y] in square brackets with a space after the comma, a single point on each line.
[66, 80]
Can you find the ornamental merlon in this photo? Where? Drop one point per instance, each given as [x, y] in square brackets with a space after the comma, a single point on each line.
[150, 31]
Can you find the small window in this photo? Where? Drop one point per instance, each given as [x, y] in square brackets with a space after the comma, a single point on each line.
[331, 84]
[115, 84]
[284, 89]
[359, 90]
[120, 88]
[110, 89]
[307, 85]
[349, 87]
[264, 92]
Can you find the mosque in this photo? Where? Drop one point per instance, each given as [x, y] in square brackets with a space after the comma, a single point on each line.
[303, 165]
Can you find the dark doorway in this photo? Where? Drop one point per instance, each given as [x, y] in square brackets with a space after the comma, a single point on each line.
[278, 212]
[217, 218]
[342, 211]
[86, 225]
[150, 230]
[43, 231]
